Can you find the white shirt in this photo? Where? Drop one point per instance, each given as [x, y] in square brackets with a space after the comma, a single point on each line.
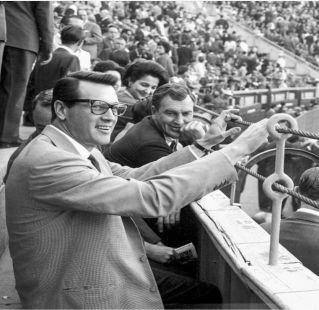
[85, 59]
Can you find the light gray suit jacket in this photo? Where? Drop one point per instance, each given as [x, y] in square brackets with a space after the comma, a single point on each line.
[72, 240]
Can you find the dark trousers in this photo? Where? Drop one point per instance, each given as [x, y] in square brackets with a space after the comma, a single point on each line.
[2, 44]
[15, 72]
[181, 292]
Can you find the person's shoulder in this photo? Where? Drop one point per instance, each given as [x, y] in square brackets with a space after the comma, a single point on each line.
[144, 132]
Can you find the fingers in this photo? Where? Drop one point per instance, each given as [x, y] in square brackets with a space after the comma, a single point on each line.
[160, 224]
[194, 129]
[232, 132]
[178, 217]
[168, 221]
[228, 115]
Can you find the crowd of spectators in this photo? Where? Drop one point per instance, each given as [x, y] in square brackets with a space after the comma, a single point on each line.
[291, 24]
[212, 59]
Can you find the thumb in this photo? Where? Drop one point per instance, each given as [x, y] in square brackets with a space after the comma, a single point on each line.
[232, 132]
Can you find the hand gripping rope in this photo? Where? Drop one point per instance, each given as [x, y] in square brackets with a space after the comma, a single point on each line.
[275, 191]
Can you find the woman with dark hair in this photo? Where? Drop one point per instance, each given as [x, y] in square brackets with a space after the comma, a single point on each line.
[140, 79]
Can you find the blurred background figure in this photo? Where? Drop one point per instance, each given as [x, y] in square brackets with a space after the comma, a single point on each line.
[29, 27]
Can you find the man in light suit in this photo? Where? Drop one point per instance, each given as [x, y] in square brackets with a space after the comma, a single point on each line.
[299, 232]
[29, 33]
[71, 237]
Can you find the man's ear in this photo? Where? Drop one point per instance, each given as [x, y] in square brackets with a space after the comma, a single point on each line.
[153, 110]
[60, 109]
[296, 189]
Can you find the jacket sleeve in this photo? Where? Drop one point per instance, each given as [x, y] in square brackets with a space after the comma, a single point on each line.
[96, 36]
[146, 232]
[69, 183]
[43, 12]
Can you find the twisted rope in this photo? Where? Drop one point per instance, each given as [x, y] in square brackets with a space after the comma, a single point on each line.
[278, 128]
[280, 188]
[298, 132]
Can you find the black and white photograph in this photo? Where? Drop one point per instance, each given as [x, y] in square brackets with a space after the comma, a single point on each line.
[159, 155]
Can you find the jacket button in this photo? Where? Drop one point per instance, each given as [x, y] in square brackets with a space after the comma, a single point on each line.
[153, 289]
[143, 258]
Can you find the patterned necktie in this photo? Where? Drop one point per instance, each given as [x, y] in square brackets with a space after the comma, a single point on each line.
[173, 146]
[94, 162]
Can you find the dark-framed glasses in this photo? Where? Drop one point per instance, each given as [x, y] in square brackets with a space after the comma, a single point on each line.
[99, 107]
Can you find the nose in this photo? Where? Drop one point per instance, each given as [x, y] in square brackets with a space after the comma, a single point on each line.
[179, 119]
[109, 116]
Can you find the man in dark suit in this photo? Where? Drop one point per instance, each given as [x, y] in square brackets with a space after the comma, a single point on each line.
[3, 32]
[299, 232]
[67, 205]
[157, 136]
[93, 34]
[63, 61]
[29, 32]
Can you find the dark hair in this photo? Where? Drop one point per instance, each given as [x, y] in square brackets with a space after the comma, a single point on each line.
[67, 88]
[71, 34]
[107, 65]
[120, 57]
[176, 91]
[141, 67]
[44, 96]
[166, 46]
[182, 69]
[68, 12]
[66, 19]
[309, 183]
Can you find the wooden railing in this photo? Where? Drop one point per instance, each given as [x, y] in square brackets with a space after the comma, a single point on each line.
[254, 103]
[234, 250]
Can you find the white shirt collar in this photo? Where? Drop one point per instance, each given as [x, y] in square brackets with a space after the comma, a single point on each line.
[84, 153]
[309, 211]
[67, 48]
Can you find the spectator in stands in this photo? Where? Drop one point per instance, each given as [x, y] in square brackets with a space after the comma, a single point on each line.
[41, 115]
[159, 135]
[299, 232]
[112, 68]
[107, 44]
[84, 56]
[141, 78]
[29, 33]
[105, 20]
[62, 166]
[93, 35]
[184, 54]
[281, 60]
[3, 32]
[140, 51]
[222, 22]
[164, 59]
[63, 62]
[120, 54]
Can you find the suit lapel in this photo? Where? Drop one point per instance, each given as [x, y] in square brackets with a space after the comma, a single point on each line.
[59, 140]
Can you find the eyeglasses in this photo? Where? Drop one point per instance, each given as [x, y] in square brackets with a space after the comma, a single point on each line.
[99, 107]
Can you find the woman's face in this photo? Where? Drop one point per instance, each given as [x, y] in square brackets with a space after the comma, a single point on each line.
[143, 87]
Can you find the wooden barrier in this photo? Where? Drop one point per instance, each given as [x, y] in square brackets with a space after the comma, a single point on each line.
[234, 253]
